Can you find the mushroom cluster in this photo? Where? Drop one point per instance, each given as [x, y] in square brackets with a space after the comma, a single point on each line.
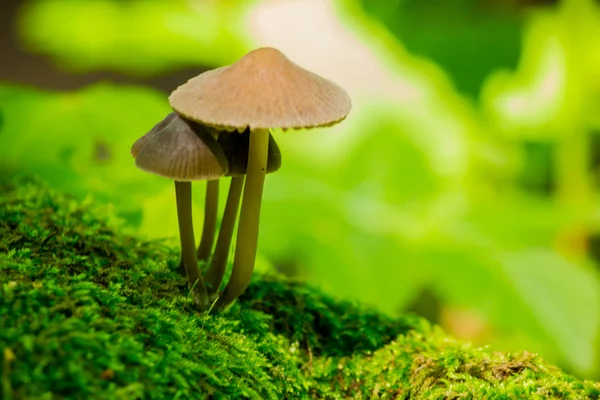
[220, 127]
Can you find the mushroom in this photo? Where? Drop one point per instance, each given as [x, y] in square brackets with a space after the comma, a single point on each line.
[235, 146]
[211, 198]
[183, 151]
[263, 90]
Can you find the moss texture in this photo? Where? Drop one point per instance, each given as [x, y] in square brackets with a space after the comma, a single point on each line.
[90, 311]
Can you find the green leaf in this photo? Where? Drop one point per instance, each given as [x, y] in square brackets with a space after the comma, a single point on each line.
[465, 38]
[563, 296]
[141, 37]
[80, 141]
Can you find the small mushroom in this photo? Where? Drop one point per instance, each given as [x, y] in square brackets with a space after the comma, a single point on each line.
[183, 151]
[235, 146]
[211, 198]
[263, 90]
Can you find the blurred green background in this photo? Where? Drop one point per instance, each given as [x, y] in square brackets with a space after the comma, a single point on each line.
[463, 186]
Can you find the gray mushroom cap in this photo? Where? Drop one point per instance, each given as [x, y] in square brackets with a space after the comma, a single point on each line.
[180, 150]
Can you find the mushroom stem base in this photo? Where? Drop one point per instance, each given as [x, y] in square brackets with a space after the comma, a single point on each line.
[183, 194]
[247, 236]
[218, 264]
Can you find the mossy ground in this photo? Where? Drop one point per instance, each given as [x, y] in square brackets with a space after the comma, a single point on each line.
[90, 312]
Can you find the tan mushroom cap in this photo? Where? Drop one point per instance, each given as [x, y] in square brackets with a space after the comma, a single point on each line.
[264, 89]
[182, 151]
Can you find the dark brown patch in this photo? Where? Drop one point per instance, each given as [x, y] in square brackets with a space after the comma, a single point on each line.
[107, 374]
[502, 371]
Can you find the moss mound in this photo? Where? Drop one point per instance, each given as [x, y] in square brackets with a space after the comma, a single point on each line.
[90, 311]
[321, 325]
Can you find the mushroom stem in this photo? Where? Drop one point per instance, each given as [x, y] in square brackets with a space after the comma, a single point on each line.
[218, 264]
[211, 205]
[247, 236]
[183, 194]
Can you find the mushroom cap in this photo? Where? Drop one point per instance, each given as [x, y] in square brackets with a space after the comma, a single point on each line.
[264, 89]
[183, 151]
[139, 144]
[236, 146]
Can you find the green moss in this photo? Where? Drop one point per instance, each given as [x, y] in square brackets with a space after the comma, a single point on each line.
[88, 310]
[429, 365]
[323, 326]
